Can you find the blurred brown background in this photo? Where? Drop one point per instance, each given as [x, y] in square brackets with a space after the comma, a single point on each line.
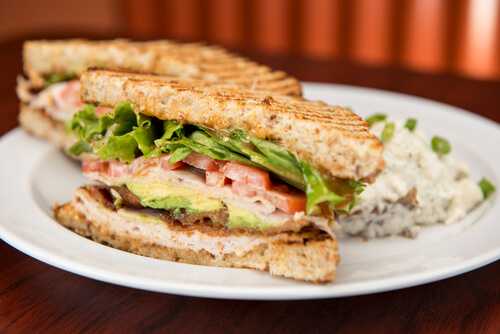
[440, 36]
[446, 50]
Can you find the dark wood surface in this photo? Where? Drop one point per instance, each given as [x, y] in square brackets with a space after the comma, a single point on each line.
[35, 297]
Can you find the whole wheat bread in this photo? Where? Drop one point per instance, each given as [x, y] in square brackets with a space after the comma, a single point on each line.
[333, 139]
[214, 64]
[299, 256]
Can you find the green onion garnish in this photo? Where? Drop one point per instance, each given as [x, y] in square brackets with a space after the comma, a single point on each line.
[58, 77]
[376, 118]
[411, 124]
[486, 187]
[440, 145]
[388, 132]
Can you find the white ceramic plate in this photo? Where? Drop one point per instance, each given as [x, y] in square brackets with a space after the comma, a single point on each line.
[34, 176]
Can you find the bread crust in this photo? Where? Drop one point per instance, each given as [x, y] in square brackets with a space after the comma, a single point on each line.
[297, 257]
[185, 60]
[332, 138]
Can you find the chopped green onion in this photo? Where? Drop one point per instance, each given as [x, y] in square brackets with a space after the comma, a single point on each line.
[376, 118]
[388, 132]
[486, 187]
[411, 124]
[440, 145]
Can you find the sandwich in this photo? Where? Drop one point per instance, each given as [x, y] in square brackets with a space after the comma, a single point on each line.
[217, 175]
[50, 93]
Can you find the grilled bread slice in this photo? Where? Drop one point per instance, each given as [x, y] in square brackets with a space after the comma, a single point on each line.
[333, 139]
[37, 123]
[214, 64]
[308, 256]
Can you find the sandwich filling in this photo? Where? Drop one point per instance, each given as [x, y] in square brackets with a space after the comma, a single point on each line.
[59, 99]
[185, 169]
[150, 227]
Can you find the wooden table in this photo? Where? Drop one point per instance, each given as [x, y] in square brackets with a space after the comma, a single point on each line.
[37, 297]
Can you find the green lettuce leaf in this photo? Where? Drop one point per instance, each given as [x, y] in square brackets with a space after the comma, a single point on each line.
[121, 148]
[170, 128]
[281, 162]
[121, 135]
[203, 143]
[179, 154]
[144, 136]
[264, 154]
[317, 191]
[86, 125]
[80, 147]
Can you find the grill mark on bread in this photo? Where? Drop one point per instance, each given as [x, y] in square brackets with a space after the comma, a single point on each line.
[331, 138]
[163, 57]
[336, 116]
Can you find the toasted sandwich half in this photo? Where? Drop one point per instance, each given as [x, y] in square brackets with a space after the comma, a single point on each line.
[50, 93]
[216, 175]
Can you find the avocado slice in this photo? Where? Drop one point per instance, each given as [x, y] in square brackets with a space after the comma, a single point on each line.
[161, 195]
[245, 219]
[166, 196]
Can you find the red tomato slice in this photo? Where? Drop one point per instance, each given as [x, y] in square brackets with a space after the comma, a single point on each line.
[243, 189]
[281, 196]
[202, 162]
[164, 164]
[287, 201]
[215, 179]
[95, 166]
[281, 187]
[248, 175]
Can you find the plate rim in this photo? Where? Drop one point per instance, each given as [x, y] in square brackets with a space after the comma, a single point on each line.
[233, 292]
[288, 292]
